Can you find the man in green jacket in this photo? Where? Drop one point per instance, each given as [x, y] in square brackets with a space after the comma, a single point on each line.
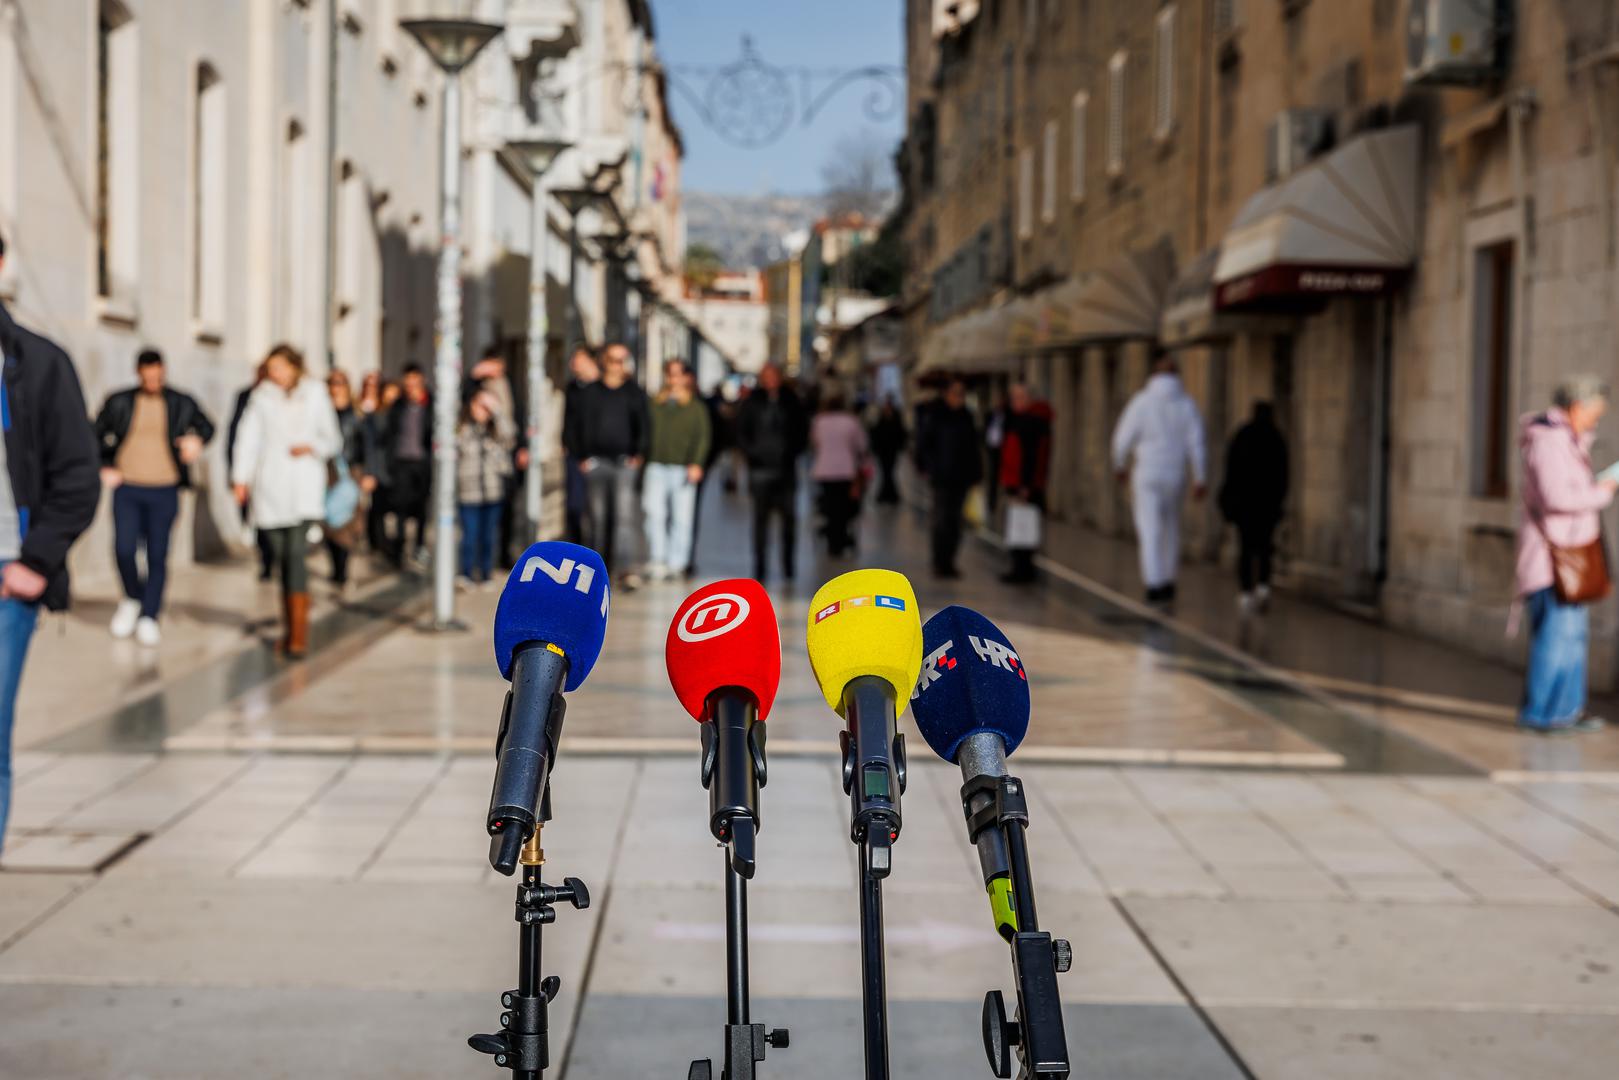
[678, 449]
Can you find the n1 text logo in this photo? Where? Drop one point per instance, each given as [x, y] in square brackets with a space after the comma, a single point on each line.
[712, 616]
[934, 665]
[993, 652]
[583, 575]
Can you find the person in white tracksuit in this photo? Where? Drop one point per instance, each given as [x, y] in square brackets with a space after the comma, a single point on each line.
[1158, 437]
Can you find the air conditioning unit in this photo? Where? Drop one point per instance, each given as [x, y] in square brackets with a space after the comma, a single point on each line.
[1296, 136]
[1457, 42]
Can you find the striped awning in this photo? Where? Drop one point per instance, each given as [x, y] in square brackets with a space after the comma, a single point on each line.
[1345, 224]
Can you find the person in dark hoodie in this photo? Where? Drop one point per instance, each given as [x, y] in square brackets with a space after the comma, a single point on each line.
[150, 436]
[950, 456]
[48, 492]
[1251, 498]
[607, 432]
[772, 429]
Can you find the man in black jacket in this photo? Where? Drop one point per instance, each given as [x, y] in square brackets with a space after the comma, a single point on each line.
[948, 453]
[150, 436]
[772, 430]
[607, 431]
[48, 494]
[406, 450]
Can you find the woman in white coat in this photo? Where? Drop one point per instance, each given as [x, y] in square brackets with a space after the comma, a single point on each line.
[288, 434]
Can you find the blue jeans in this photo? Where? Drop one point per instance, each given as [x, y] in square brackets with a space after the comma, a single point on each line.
[17, 621]
[144, 517]
[670, 501]
[480, 531]
[1554, 685]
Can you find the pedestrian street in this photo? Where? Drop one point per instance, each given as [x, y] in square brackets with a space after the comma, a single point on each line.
[288, 871]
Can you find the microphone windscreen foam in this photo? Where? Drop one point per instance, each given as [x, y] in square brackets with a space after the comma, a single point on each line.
[865, 623]
[557, 593]
[724, 634]
[972, 680]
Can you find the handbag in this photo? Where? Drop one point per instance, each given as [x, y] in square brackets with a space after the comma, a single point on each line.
[1579, 573]
[1022, 525]
[342, 494]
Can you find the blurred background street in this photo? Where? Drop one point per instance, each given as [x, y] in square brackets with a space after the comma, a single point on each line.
[1245, 362]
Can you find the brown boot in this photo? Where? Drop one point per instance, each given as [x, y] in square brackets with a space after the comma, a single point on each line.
[297, 625]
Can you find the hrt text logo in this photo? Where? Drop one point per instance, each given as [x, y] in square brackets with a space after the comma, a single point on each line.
[1002, 656]
[934, 665]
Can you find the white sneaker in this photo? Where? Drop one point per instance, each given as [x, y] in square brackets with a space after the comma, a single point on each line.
[1245, 604]
[1262, 597]
[463, 584]
[147, 634]
[123, 620]
[657, 572]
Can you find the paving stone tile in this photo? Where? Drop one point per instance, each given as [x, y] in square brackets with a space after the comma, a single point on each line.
[1462, 956]
[1351, 1044]
[26, 897]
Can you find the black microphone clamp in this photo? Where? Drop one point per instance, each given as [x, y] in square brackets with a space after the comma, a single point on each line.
[733, 771]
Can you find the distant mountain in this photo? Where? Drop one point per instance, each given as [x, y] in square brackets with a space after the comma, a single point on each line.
[747, 229]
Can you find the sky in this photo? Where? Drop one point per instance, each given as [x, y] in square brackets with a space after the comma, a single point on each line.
[822, 35]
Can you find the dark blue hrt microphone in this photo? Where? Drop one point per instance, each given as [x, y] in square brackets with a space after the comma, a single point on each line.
[549, 627]
[971, 705]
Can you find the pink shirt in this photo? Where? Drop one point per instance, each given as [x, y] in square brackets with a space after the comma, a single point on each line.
[1561, 498]
[839, 442]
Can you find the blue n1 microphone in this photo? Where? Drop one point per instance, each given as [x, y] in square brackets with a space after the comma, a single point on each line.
[971, 705]
[549, 627]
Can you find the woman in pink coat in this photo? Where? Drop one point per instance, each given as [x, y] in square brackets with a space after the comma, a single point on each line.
[1562, 502]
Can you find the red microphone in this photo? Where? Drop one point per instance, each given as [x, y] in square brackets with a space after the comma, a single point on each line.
[724, 659]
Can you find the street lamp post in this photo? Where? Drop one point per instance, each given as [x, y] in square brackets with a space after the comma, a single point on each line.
[452, 43]
[537, 156]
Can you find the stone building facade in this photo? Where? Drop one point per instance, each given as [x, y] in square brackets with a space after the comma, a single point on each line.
[1402, 266]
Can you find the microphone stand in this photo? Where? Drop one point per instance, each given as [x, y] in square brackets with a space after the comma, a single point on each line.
[1037, 958]
[745, 1041]
[874, 778]
[523, 1044]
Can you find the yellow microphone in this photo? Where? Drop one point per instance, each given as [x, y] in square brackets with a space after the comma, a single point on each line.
[865, 646]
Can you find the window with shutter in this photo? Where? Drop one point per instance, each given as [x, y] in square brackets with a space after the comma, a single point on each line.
[1025, 193]
[1164, 74]
[1048, 178]
[1115, 113]
[1076, 185]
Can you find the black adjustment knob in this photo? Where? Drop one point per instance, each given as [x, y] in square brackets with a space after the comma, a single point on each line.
[777, 1038]
[575, 893]
[549, 987]
[488, 1044]
[1064, 954]
[997, 1036]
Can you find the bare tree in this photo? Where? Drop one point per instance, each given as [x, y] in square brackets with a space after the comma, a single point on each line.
[859, 177]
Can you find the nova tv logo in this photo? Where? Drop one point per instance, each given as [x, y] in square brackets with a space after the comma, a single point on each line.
[712, 616]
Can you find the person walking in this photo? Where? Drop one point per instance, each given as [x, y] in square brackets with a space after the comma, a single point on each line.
[949, 455]
[150, 436]
[288, 434]
[492, 376]
[407, 447]
[676, 461]
[261, 543]
[608, 435]
[484, 441]
[340, 540]
[1252, 492]
[838, 448]
[1562, 564]
[373, 468]
[1023, 458]
[771, 430]
[888, 439]
[48, 495]
[1160, 435]
[583, 370]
